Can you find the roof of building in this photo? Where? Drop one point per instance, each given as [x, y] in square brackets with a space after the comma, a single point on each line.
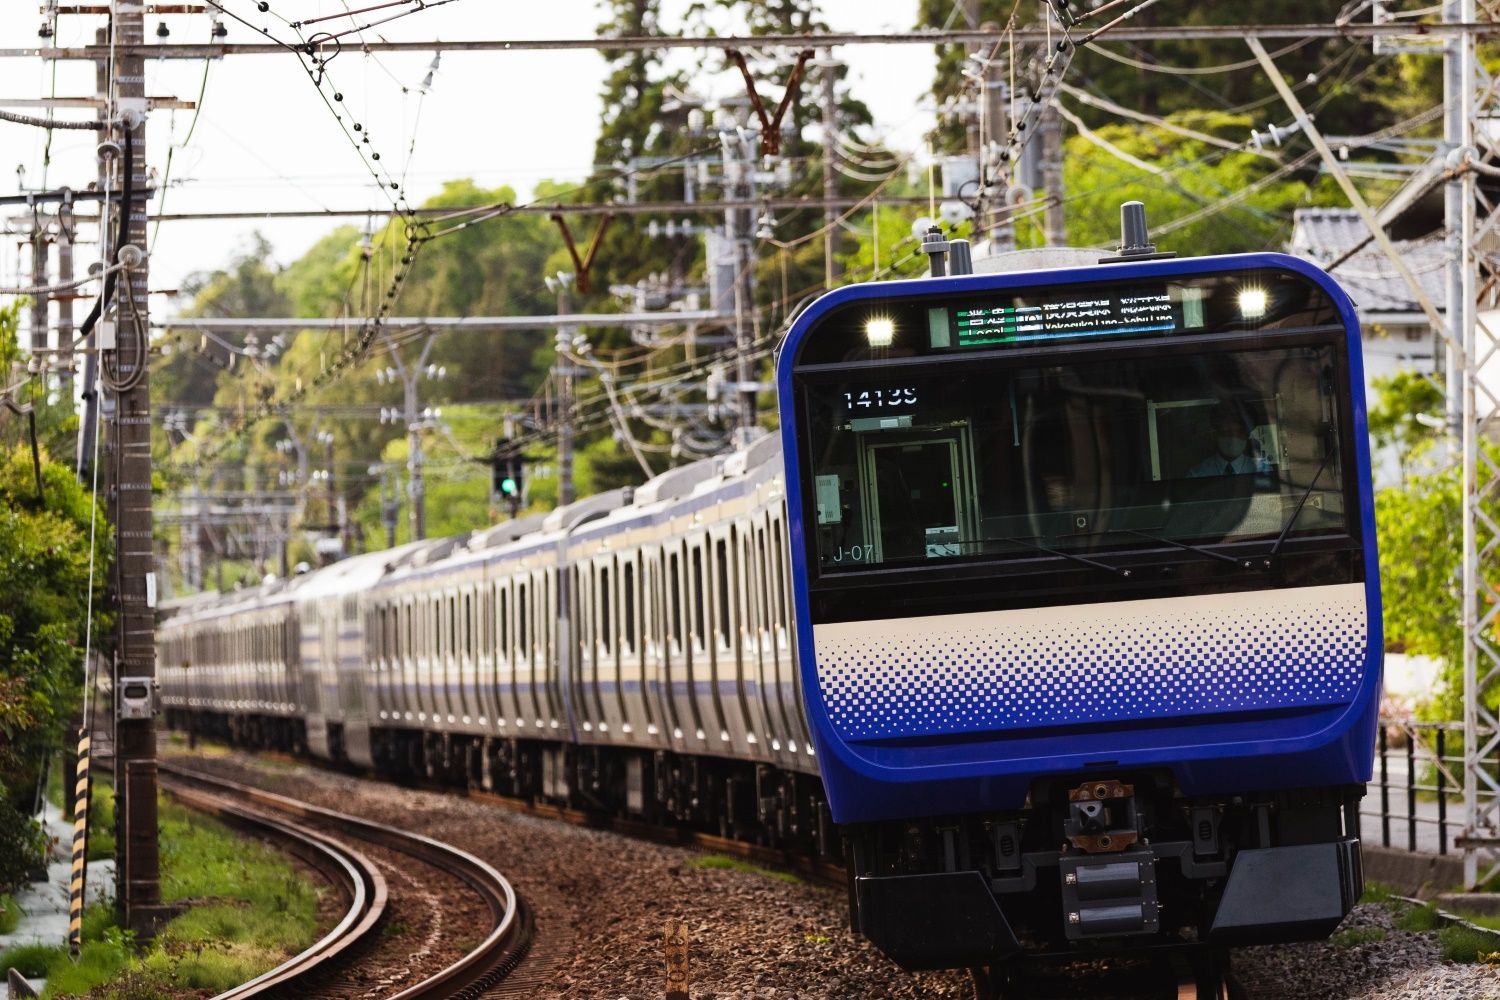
[1323, 235]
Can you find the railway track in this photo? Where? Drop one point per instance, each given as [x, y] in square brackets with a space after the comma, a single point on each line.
[359, 876]
[350, 873]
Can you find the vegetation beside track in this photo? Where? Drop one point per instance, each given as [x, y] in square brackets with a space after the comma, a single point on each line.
[246, 910]
[1460, 943]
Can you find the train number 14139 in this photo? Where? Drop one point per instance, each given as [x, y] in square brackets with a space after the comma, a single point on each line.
[880, 398]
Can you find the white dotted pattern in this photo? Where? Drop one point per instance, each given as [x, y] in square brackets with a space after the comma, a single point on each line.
[1098, 663]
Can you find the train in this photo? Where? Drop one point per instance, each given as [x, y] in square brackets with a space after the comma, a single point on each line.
[1053, 607]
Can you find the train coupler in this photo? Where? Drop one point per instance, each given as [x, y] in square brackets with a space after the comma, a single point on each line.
[1109, 897]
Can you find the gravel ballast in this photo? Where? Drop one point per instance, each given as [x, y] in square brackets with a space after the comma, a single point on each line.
[601, 900]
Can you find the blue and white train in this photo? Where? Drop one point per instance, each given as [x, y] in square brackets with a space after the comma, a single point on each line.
[1087, 601]
[1057, 594]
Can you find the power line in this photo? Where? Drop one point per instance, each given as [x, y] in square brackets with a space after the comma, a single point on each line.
[778, 203]
[652, 43]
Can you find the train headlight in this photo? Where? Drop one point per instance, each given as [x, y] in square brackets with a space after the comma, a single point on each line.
[1252, 302]
[880, 331]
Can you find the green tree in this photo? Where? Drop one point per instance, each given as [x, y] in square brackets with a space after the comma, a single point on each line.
[44, 594]
[1190, 180]
[1399, 398]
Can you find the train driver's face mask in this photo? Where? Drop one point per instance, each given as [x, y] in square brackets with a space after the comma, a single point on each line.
[1231, 445]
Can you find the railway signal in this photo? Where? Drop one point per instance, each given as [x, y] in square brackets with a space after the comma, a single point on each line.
[508, 469]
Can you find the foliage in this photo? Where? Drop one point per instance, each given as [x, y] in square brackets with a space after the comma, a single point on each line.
[44, 580]
[1349, 94]
[1416, 527]
[10, 915]
[251, 910]
[56, 424]
[1466, 944]
[1392, 418]
[1192, 175]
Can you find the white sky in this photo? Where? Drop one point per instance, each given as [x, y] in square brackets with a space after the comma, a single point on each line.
[265, 141]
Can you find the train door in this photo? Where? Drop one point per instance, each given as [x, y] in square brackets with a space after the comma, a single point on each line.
[635, 701]
[428, 663]
[506, 677]
[583, 665]
[752, 636]
[683, 661]
[405, 680]
[655, 688]
[468, 649]
[917, 494]
[484, 655]
[729, 647]
[702, 650]
[606, 679]
[546, 625]
[525, 667]
[786, 665]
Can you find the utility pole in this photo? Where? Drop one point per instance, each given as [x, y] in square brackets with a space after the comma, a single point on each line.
[994, 220]
[416, 422]
[1049, 127]
[739, 185]
[129, 464]
[563, 372]
[88, 424]
[65, 298]
[827, 66]
[390, 500]
[1453, 204]
[39, 280]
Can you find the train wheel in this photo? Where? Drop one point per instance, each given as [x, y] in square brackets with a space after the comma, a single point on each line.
[1205, 976]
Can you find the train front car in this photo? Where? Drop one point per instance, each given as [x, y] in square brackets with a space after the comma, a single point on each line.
[1087, 602]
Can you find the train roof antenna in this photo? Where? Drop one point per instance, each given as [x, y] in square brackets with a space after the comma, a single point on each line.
[1135, 239]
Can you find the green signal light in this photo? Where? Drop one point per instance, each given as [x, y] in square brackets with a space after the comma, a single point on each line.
[508, 487]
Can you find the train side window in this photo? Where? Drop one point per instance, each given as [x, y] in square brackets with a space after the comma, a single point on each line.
[453, 649]
[696, 582]
[468, 624]
[675, 586]
[605, 598]
[504, 621]
[627, 614]
[725, 626]
[523, 630]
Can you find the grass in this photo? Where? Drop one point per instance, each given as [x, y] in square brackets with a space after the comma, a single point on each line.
[1465, 944]
[101, 819]
[30, 960]
[1376, 892]
[248, 910]
[1358, 935]
[726, 863]
[10, 915]
[1420, 918]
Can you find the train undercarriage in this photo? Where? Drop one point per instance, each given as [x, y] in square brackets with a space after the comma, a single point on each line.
[1107, 865]
[755, 803]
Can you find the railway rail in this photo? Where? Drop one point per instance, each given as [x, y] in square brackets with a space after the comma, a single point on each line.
[478, 970]
[349, 872]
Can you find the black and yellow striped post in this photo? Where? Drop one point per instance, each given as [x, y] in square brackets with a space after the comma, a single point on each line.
[80, 846]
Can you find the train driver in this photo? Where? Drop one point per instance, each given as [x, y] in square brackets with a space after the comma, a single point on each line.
[1234, 453]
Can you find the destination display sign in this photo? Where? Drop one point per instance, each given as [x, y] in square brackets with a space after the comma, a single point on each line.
[1085, 312]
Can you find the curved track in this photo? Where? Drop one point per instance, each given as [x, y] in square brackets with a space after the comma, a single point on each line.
[349, 872]
[479, 969]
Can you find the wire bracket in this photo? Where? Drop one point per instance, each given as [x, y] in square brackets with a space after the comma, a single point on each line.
[770, 128]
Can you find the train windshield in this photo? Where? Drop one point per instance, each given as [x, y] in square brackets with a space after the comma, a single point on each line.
[1073, 460]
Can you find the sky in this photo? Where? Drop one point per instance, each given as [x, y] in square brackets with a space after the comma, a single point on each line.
[264, 140]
